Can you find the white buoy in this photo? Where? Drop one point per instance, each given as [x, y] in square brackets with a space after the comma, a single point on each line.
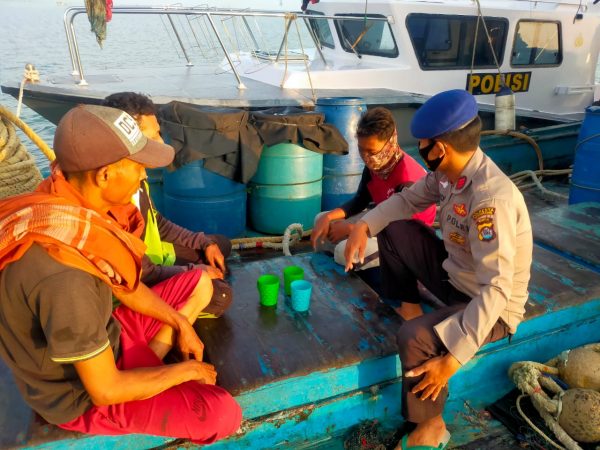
[505, 109]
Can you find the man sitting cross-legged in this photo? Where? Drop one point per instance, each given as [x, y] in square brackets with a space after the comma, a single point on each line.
[65, 251]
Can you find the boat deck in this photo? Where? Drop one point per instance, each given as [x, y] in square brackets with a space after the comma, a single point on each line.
[304, 379]
[202, 84]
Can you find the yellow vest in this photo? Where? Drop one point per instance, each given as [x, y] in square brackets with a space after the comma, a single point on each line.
[159, 252]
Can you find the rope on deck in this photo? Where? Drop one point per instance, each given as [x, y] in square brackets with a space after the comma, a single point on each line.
[18, 171]
[292, 235]
[578, 368]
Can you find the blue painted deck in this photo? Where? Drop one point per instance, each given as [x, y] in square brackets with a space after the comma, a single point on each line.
[303, 379]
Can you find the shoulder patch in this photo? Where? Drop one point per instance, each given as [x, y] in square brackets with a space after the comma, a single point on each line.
[484, 212]
[485, 229]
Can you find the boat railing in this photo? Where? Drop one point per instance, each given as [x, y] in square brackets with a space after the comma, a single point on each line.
[211, 31]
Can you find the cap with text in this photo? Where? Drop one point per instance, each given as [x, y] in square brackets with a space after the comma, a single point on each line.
[89, 137]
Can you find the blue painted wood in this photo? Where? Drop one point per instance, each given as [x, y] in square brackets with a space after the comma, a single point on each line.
[290, 405]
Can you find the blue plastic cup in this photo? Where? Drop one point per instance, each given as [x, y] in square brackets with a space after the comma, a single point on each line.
[301, 290]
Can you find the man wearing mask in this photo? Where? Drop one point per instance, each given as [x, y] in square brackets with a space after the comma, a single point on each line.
[479, 269]
[387, 170]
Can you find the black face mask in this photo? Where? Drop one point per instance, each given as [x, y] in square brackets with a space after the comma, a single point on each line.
[431, 164]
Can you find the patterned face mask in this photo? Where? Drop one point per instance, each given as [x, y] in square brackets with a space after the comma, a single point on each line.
[384, 161]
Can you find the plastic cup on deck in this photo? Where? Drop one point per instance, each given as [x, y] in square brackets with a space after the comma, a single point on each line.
[268, 289]
[301, 291]
[291, 273]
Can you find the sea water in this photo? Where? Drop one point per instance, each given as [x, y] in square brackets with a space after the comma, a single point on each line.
[33, 32]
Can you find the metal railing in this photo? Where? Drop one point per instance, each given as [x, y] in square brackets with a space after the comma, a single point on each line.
[207, 13]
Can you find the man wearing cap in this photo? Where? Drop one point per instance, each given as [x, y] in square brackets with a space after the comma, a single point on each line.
[479, 269]
[170, 249]
[65, 251]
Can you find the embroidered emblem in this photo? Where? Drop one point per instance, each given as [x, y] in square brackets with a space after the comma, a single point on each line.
[458, 238]
[484, 212]
[460, 183]
[460, 209]
[485, 229]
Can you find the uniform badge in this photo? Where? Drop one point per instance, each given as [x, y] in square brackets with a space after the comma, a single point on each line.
[457, 238]
[460, 183]
[460, 209]
[483, 212]
[485, 230]
[484, 220]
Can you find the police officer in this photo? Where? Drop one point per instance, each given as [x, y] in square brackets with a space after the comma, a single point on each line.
[479, 269]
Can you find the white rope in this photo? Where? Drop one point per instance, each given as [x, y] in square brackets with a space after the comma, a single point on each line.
[519, 177]
[31, 75]
[533, 426]
[273, 242]
[305, 59]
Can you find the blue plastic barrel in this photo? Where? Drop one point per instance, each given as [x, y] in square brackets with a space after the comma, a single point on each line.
[155, 183]
[585, 181]
[341, 173]
[201, 200]
[286, 188]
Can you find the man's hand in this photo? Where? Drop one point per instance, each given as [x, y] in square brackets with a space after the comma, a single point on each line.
[206, 373]
[212, 272]
[188, 341]
[320, 230]
[339, 230]
[437, 372]
[357, 243]
[214, 257]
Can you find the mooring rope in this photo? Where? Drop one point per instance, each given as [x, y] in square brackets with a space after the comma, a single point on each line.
[18, 171]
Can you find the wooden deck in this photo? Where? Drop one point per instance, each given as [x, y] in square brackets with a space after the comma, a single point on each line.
[303, 379]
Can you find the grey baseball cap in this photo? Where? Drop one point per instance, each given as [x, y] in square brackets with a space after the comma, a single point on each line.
[89, 137]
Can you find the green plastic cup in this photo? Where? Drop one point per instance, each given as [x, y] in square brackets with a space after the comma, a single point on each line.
[268, 289]
[291, 273]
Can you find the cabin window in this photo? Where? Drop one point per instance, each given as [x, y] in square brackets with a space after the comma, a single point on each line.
[320, 27]
[367, 37]
[537, 43]
[443, 42]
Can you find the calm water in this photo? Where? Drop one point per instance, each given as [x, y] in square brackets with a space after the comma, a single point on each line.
[32, 32]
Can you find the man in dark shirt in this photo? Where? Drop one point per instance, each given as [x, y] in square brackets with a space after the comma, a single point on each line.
[387, 170]
[65, 251]
[172, 249]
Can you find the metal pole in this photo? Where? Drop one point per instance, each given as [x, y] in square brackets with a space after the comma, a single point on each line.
[256, 46]
[69, 40]
[237, 76]
[315, 40]
[189, 63]
[287, 29]
[82, 81]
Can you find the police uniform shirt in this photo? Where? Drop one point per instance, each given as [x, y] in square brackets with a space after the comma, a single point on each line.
[487, 233]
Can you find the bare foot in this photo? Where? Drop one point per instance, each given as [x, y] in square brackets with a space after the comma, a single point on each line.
[430, 432]
[409, 311]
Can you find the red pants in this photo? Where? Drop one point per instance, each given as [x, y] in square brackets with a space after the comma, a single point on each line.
[201, 413]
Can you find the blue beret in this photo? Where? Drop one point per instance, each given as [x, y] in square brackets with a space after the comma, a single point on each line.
[443, 112]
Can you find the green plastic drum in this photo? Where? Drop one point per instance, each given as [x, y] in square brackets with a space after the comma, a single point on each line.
[286, 189]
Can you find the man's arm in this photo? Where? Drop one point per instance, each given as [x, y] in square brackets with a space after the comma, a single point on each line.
[107, 385]
[493, 241]
[361, 198]
[404, 204]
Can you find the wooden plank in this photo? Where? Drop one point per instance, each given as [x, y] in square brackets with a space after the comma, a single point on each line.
[572, 230]
[252, 345]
